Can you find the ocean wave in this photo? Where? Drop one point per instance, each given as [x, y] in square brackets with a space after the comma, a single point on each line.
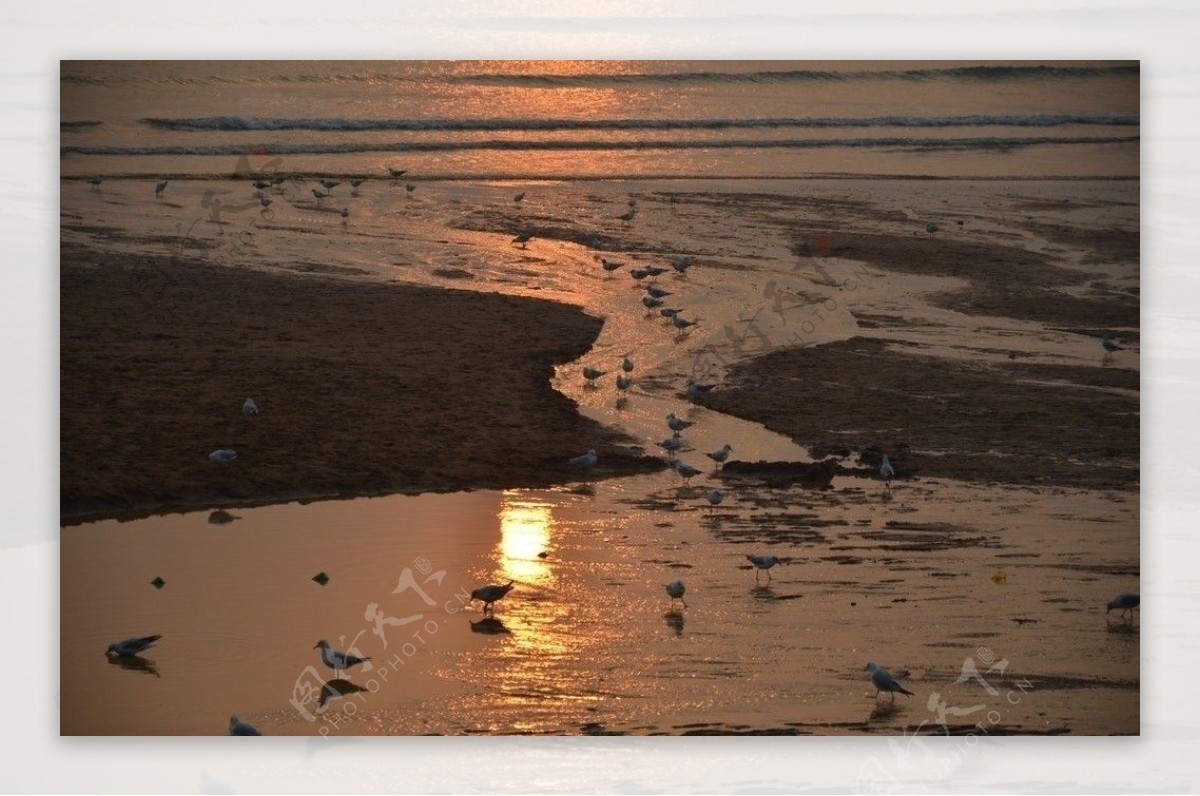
[581, 80]
[341, 124]
[896, 142]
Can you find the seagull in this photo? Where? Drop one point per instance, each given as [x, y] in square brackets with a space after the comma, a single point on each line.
[628, 214]
[223, 455]
[396, 173]
[1110, 345]
[678, 423]
[410, 187]
[639, 273]
[265, 202]
[523, 238]
[591, 374]
[239, 727]
[584, 460]
[763, 563]
[261, 185]
[681, 323]
[656, 291]
[675, 591]
[697, 390]
[686, 470]
[330, 185]
[884, 681]
[669, 313]
[355, 185]
[1126, 602]
[654, 270]
[720, 454]
[887, 472]
[95, 181]
[627, 365]
[632, 202]
[623, 382]
[318, 195]
[681, 264]
[650, 302]
[249, 407]
[931, 227]
[338, 661]
[715, 496]
[158, 189]
[490, 594]
[131, 646]
[519, 197]
[610, 265]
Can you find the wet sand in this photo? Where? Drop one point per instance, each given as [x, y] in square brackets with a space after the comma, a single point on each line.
[362, 389]
[1013, 521]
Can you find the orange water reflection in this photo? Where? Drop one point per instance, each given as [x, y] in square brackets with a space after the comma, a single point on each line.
[525, 527]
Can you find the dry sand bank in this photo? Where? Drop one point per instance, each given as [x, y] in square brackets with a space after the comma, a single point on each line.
[363, 388]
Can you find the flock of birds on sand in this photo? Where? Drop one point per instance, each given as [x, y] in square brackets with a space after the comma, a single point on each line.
[128, 651]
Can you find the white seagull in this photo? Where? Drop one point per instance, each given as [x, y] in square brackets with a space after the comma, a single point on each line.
[131, 646]
[886, 471]
[678, 423]
[675, 591]
[584, 460]
[490, 594]
[338, 661]
[720, 454]
[249, 407]
[884, 681]
[763, 563]
[223, 455]
[686, 470]
[239, 727]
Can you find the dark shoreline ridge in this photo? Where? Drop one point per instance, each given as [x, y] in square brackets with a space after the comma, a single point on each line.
[1015, 423]
[363, 388]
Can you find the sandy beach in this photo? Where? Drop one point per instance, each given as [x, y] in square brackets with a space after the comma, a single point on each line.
[362, 389]
[835, 328]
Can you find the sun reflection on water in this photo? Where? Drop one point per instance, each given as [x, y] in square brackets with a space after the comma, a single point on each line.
[525, 527]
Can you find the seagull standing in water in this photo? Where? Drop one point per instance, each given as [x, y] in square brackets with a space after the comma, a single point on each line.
[523, 238]
[887, 472]
[354, 184]
[338, 661]
[239, 727]
[490, 594]
[715, 496]
[678, 424]
[671, 444]
[1126, 602]
[650, 302]
[1110, 345]
[95, 181]
[610, 265]
[884, 681]
[628, 214]
[763, 563]
[410, 187]
[329, 185]
[681, 323]
[249, 408]
[623, 382]
[396, 173]
[675, 592]
[681, 264]
[686, 470]
[158, 189]
[519, 197]
[720, 454]
[627, 364]
[131, 646]
[591, 374]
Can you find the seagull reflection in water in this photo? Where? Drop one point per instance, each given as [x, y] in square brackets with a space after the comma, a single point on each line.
[335, 689]
[489, 625]
[134, 663]
[674, 621]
